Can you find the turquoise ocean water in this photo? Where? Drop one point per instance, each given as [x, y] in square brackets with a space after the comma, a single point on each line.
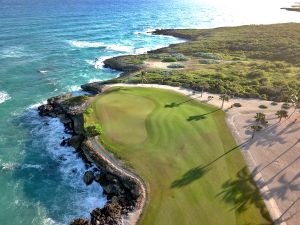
[52, 46]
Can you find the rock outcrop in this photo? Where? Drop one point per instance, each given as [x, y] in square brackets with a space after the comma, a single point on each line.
[88, 177]
[122, 64]
[94, 87]
[123, 190]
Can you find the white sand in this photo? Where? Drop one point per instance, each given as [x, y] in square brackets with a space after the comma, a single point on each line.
[274, 153]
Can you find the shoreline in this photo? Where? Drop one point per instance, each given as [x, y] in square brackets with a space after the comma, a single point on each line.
[125, 190]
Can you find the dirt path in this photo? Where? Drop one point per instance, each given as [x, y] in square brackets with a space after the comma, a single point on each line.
[273, 156]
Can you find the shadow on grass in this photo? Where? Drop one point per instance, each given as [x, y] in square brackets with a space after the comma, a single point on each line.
[201, 116]
[189, 177]
[196, 118]
[199, 171]
[242, 192]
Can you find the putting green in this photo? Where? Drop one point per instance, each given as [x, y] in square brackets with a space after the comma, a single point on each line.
[184, 152]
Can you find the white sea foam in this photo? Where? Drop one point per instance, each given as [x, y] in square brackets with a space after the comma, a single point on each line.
[120, 48]
[87, 44]
[113, 47]
[73, 88]
[98, 63]
[8, 166]
[50, 131]
[12, 52]
[147, 31]
[4, 96]
[43, 71]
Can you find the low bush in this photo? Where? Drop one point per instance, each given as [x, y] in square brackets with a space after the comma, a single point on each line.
[274, 103]
[175, 66]
[237, 104]
[286, 105]
[93, 130]
[169, 59]
[262, 106]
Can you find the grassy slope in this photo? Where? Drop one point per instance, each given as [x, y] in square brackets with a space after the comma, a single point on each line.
[172, 148]
[255, 61]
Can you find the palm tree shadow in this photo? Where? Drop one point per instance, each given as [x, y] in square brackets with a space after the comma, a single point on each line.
[189, 177]
[242, 192]
[196, 118]
[199, 171]
[201, 116]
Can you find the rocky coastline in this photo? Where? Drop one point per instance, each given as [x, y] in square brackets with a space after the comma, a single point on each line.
[125, 191]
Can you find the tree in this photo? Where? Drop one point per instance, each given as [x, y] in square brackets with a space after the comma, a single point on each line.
[260, 118]
[255, 128]
[282, 114]
[203, 87]
[295, 99]
[224, 97]
[143, 76]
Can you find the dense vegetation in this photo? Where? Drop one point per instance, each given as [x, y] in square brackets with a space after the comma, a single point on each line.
[185, 153]
[248, 61]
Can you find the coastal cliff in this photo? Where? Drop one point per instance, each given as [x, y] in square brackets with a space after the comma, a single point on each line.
[125, 191]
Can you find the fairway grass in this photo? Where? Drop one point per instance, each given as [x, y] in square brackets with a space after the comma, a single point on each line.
[184, 151]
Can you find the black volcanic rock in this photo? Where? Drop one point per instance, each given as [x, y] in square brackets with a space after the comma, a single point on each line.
[88, 177]
[80, 221]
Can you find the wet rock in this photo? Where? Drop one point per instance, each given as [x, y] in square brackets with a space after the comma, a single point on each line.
[64, 142]
[80, 221]
[110, 214]
[95, 87]
[88, 177]
[75, 141]
[46, 110]
[78, 124]
[55, 101]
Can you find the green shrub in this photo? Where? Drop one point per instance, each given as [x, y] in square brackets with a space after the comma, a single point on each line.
[262, 106]
[78, 100]
[169, 59]
[208, 61]
[175, 66]
[89, 111]
[205, 55]
[93, 130]
[237, 104]
[286, 105]
[274, 103]
[180, 57]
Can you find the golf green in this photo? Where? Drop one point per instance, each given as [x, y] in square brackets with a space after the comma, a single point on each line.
[185, 153]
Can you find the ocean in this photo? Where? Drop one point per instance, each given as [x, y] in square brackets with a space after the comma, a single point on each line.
[51, 47]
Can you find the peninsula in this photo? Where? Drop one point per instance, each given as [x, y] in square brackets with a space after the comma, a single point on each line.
[180, 123]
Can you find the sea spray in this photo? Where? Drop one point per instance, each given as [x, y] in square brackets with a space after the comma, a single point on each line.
[64, 175]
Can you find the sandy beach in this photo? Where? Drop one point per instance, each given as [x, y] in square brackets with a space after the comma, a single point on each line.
[272, 155]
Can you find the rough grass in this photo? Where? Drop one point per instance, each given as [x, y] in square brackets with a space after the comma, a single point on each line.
[185, 153]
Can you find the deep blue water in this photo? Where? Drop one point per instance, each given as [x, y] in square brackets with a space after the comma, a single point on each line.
[48, 47]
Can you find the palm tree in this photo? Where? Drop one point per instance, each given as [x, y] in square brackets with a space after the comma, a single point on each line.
[282, 114]
[204, 86]
[295, 99]
[143, 76]
[224, 98]
[260, 118]
[255, 128]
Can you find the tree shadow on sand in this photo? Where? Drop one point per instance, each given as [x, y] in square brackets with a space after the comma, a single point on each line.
[242, 192]
[189, 177]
